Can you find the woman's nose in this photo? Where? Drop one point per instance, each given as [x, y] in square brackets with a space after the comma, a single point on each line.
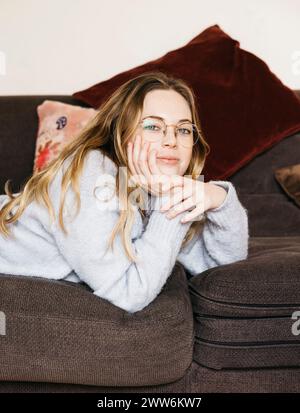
[169, 136]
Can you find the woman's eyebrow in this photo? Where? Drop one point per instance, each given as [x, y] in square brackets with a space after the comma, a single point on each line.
[159, 117]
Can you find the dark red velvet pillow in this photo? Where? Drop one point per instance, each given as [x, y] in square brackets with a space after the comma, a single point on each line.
[244, 108]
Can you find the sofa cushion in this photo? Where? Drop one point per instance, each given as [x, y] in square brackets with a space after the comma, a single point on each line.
[243, 310]
[59, 331]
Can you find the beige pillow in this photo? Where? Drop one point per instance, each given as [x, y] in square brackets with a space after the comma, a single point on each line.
[59, 123]
[289, 179]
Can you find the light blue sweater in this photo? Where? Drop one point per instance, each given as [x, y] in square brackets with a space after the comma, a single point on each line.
[41, 249]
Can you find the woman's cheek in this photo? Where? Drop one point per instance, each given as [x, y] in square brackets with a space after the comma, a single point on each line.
[183, 166]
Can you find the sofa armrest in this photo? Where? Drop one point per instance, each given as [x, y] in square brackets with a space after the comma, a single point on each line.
[244, 311]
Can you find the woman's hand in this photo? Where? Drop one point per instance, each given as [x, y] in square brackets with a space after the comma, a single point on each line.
[145, 171]
[196, 197]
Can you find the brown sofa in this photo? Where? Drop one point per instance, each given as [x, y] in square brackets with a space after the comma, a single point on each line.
[228, 329]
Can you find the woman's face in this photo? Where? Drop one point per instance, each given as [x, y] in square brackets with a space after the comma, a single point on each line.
[172, 107]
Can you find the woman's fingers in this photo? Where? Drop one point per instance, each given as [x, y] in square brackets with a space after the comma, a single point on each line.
[133, 159]
[136, 154]
[154, 169]
[143, 162]
[195, 214]
[176, 196]
[176, 201]
[160, 181]
[176, 181]
[130, 161]
[193, 196]
[181, 207]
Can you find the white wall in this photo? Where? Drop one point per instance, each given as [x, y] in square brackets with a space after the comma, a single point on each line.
[61, 46]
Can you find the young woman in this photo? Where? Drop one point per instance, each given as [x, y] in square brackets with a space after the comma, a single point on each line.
[116, 168]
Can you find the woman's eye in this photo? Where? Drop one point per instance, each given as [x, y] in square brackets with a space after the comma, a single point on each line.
[151, 127]
[185, 131]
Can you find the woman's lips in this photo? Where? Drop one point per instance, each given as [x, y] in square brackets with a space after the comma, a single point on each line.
[169, 161]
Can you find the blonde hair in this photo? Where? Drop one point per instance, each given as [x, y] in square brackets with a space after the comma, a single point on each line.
[109, 131]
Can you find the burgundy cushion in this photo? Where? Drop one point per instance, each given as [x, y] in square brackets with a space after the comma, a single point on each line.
[243, 106]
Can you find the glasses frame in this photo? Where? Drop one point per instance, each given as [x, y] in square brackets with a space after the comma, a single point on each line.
[174, 126]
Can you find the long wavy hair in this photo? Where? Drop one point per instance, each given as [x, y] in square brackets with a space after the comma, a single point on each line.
[109, 132]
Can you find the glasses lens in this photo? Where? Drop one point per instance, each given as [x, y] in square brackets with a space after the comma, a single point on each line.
[152, 129]
[187, 134]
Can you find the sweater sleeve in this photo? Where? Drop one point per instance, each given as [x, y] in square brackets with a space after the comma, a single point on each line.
[224, 238]
[126, 284]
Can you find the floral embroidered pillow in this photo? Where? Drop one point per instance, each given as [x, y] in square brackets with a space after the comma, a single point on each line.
[59, 123]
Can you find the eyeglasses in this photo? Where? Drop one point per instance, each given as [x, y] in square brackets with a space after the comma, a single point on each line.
[154, 129]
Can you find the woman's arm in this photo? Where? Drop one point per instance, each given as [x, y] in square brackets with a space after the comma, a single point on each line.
[128, 285]
[224, 238]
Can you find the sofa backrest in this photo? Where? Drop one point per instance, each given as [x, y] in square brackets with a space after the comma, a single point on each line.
[271, 213]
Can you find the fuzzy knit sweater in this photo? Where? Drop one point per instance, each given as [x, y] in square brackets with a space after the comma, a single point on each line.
[40, 248]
